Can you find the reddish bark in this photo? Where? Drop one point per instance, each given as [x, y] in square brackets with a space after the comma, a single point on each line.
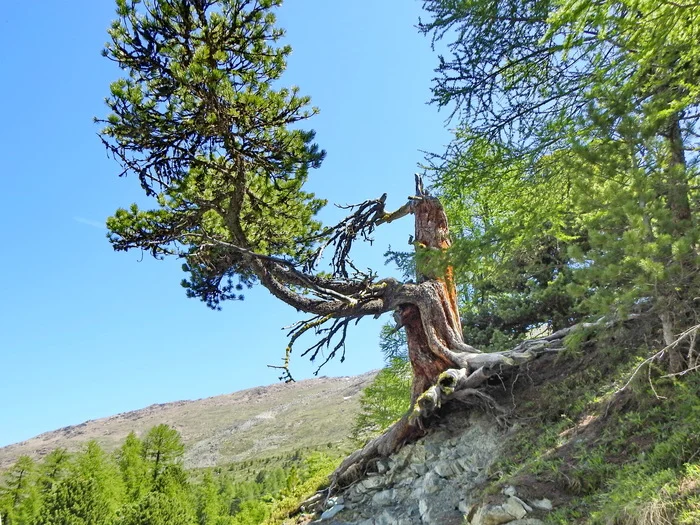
[427, 360]
[426, 364]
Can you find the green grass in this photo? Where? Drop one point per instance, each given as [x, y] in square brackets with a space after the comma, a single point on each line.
[611, 457]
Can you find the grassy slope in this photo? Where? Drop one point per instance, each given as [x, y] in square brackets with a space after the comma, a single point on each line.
[602, 455]
[257, 423]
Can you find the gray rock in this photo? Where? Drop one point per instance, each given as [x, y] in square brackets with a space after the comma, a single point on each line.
[515, 507]
[391, 519]
[368, 484]
[332, 512]
[419, 468]
[423, 507]
[465, 462]
[509, 490]
[430, 484]
[528, 521]
[383, 498]
[506, 512]
[408, 481]
[527, 507]
[465, 507]
[332, 502]
[446, 469]
[542, 504]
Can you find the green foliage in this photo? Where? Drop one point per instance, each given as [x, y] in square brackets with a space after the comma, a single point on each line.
[94, 488]
[90, 492]
[313, 476]
[622, 458]
[200, 117]
[392, 343]
[572, 178]
[19, 494]
[162, 450]
[511, 231]
[133, 467]
[385, 400]
[158, 508]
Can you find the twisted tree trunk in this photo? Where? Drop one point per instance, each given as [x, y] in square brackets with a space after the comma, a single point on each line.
[442, 362]
[432, 239]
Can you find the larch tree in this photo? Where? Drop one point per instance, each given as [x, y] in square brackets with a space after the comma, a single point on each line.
[201, 119]
[162, 448]
[594, 106]
[19, 500]
[90, 492]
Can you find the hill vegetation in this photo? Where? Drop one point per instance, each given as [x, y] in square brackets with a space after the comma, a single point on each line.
[144, 482]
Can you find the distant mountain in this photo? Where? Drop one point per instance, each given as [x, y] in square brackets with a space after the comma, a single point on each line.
[253, 423]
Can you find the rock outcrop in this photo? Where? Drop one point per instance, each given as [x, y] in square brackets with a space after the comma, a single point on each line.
[437, 481]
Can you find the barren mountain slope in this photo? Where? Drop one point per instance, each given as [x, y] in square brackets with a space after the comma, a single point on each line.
[251, 423]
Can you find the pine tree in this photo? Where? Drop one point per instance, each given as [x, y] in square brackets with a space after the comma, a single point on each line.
[159, 508]
[209, 505]
[52, 469]
[162, 450]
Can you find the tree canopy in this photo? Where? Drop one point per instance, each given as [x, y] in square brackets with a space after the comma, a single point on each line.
[571, 182]
[94, 487]
[200, 118]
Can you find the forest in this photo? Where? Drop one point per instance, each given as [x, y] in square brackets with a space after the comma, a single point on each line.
[144, 482]
[566, 202]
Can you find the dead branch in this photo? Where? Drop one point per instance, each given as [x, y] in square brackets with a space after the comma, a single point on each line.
[361, 223]
[690, 333]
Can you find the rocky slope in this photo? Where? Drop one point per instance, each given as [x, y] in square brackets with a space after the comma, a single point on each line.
[439, 480]
[586, 440]
[252, 423]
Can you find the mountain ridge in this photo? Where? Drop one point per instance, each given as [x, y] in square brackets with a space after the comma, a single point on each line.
[255, 422]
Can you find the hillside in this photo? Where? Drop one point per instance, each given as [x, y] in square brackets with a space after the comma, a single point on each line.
[583, 436]
[233, 427]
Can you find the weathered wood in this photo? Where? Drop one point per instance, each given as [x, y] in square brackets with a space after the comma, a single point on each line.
[430, 332]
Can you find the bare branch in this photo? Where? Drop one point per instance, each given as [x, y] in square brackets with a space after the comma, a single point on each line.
[361, 223]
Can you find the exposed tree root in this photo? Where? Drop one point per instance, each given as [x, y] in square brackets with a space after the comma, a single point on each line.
[452, 385]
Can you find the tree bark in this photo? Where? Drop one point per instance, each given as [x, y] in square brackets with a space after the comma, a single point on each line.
[677, 181]
[431, 236]
[436, 348]
[678, 202]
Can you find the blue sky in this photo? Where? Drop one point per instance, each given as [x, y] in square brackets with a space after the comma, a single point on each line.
[86, 332]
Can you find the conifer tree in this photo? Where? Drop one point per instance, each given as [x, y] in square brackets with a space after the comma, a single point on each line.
[132, 465]
[162, 449]
[89, 494]
[159, 508]
[52, 469]
[210, 508]
[578, 124]
[19, 499]
[219, 145]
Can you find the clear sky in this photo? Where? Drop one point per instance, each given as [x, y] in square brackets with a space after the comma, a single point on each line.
[86, 332]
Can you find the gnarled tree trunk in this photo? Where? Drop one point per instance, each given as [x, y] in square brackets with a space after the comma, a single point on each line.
[429, 361]
[440, 359]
